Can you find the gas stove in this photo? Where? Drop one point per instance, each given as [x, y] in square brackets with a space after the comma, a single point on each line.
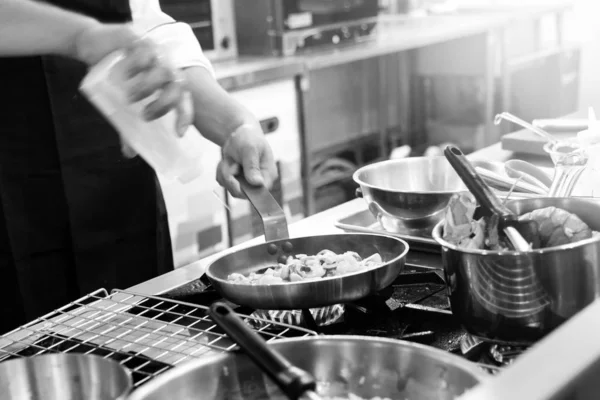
[414, 308]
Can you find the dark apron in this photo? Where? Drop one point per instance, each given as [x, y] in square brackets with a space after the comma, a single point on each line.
[75, 215]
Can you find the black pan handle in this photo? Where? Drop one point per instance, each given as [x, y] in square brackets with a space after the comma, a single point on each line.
[482, 192]
[293, 381]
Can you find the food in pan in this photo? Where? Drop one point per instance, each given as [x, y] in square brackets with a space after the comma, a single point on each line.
[302, 267]
[555, 226]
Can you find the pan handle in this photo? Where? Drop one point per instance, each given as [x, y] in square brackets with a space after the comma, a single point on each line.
[293, 381]
[271, 214]
[482, 192]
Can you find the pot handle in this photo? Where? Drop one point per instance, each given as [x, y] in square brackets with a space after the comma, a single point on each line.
[272, 215]
[293, 381]
[358, 193]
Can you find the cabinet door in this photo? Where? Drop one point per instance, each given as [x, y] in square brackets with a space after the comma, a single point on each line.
[545, 85]
[341, 104]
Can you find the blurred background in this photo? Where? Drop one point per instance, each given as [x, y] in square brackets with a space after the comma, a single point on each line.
[338, 84]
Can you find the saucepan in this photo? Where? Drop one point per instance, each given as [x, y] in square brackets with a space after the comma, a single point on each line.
[517, 297]
[316, 367]
[305, 294]
[64, 377]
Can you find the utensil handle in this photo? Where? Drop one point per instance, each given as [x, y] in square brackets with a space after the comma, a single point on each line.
[272, 215]
[293, 381]
[482, 192]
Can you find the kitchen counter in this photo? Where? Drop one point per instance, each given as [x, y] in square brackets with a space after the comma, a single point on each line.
[395, 34]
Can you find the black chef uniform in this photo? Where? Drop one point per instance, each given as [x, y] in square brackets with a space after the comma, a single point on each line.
[75, 215]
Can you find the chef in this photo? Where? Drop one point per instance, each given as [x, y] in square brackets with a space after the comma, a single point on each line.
[76, 213]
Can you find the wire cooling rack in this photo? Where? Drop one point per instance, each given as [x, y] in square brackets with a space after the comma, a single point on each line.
[146, 334]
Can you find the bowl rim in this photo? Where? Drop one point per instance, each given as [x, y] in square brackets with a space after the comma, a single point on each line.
[408, 160]
[437, 236]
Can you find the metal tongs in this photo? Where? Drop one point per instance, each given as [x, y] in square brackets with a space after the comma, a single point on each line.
[293, 381]
[519, 233]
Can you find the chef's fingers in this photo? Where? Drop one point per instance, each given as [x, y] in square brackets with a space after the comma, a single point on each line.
[226, 172]
[148, 82]
[268, 167]
[140, 56]
[251, 160]
[185, 113]
[167, 100]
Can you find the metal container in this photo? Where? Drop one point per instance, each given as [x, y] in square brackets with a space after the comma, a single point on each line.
[518, 297]
[410, 193]
[365, 366]
[63, 377]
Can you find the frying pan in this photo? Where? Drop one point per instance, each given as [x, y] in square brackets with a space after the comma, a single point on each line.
[278, 246]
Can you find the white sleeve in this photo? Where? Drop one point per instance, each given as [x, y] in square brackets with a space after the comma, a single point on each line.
[176, 38]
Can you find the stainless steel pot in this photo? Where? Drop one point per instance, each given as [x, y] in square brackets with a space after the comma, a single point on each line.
[412, 193]
[517, 298]
[365, 366]
[63, 377]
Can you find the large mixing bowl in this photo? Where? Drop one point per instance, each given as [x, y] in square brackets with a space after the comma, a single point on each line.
[365, 366]
[411, 193]
[518, 297]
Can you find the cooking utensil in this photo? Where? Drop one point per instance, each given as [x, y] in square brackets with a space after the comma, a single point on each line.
[488, 200]
[568, 167]
[561, 125]
[309, 293]
[564, 277]
[63, 377]
[528, 173]
[506, 183]
[294, 382]
[512, 118]
[365, 366]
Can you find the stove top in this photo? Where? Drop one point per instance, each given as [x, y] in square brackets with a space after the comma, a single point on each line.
[415, 308]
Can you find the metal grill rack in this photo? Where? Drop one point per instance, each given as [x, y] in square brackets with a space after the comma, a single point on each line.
[146, 334]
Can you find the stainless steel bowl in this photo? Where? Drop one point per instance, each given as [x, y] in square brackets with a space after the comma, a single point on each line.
[517, 298]
[411, 193]
[63, 377]
[365, 366]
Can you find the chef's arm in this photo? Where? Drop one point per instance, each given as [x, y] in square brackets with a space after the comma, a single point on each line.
[33, 28]
[216, 113]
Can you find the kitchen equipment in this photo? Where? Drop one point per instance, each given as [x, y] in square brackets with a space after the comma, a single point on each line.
[156, 141]
[508, 223]
[288, 27]
[293, 381]
[528, 173]
[569, 164]
[561, 125]
[365, 366]
[148, 335]
[304, 294]
[63, 377]
[566, 274]
[537, 130]
[507, 183]
[213, 23]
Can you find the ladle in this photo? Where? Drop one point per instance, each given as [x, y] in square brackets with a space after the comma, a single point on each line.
[293, 381]
[512, 118]
[516, 231]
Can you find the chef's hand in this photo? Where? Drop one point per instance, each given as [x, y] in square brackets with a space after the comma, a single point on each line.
[146, 72]
[247, 148]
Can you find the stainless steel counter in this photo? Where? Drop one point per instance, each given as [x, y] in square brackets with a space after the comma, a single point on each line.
[395, 34]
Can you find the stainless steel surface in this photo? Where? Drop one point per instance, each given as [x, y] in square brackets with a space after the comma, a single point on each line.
[528, 172]
[408, 193]
[568, 168]
[518, 297]
[524, 124]
[311, 293]
[273, 217]
[365, 366]
[506, 182]
[146, 334]
[292, 380]
[64, 377]
[562, 366]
